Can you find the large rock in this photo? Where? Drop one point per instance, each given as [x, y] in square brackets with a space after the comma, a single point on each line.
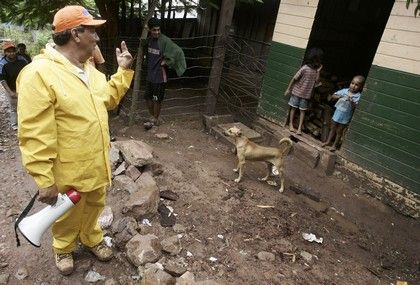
[143, 203]
[123, 230]
[136, 153]
[132, 172]
[167, 218]
[156, 276]
[175, 267]
[123, 182]
[186, 279]
[146, 180]
[142, 249]
[171, 245]
[120, 169]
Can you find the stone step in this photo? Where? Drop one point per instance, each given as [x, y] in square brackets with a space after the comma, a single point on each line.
[218, 130]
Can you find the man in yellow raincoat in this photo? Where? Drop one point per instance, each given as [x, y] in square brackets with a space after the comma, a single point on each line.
[63, 128]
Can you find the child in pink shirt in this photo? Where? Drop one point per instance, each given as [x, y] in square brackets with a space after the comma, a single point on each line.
[301, 87]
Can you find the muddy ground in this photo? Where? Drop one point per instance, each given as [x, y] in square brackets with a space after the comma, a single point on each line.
[364, 241]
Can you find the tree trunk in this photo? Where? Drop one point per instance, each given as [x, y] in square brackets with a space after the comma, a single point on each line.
[139, 60]
[225, 20]
[162, 15]
[123, 22]
[170, 9]
[109, 11]
[131, 18]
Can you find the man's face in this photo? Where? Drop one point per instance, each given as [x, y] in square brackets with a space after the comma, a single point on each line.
[88, 39]
[155, 32]
[10, 53]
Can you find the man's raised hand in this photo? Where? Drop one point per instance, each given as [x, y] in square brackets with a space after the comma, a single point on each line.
[124, 58]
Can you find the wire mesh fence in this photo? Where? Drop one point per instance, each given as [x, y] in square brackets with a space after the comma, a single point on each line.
[242, 76]
[240, 85]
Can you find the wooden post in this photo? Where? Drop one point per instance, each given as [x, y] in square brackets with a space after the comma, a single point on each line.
[225, 20]
[139, 60]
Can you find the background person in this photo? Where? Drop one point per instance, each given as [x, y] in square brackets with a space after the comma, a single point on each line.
[161, 52]
[8, 75]
[63, 129]
[21, 50]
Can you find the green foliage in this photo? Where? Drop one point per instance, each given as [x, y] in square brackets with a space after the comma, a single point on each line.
[35, 14]
[416, 9]
[35, 40]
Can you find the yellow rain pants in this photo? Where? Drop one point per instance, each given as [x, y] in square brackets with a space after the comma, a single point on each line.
[81, 222]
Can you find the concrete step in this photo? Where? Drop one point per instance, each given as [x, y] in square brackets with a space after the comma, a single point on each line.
[218, 130]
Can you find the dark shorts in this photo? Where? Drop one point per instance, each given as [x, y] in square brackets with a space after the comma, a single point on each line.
[154, 91]
[298, 102]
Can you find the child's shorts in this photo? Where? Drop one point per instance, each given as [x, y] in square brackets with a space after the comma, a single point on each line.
[298, 102]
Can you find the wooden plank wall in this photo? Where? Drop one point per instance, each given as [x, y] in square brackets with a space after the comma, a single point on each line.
[294, 22]
[399, 48]
[384, 135]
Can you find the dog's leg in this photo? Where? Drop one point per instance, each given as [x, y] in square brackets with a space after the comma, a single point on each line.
[281, 179]
[268, 172]
[237, 167]
[240, 169]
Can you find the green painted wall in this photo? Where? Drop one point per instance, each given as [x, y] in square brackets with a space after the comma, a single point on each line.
[283, 62]
[384, 135]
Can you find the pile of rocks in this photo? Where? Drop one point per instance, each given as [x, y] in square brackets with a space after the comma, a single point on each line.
[159, 262]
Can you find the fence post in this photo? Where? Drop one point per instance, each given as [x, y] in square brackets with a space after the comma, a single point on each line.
[225, 20]
[139, 60]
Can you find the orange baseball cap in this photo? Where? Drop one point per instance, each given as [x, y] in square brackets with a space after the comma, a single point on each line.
[73, 16]
[7, 45]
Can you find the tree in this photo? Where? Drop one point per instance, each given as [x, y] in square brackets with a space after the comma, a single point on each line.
[35, 14]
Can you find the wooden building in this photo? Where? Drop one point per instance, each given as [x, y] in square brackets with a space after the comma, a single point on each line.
[379, 39]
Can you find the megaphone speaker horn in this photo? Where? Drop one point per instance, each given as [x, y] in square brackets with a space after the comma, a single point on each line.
[34, 226]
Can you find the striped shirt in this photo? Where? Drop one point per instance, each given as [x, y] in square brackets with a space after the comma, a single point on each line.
[304, 82]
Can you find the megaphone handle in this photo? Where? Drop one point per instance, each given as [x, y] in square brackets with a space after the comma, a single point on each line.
[23, 215]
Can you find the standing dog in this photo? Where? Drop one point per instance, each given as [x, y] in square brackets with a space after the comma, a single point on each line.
[248, 150]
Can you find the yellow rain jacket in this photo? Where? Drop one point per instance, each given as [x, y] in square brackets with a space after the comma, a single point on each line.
[63, 121]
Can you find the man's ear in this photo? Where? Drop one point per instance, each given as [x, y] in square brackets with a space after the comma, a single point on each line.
[75, 35]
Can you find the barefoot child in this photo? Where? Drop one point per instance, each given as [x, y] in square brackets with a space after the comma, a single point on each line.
[301, 87]
[348, 98]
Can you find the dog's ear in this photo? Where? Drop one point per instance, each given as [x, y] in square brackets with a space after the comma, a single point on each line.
[239, 132]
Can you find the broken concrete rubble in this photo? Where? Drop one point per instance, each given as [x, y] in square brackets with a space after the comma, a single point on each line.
[135, 153]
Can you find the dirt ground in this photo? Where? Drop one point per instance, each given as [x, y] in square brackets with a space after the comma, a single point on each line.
[364, 241]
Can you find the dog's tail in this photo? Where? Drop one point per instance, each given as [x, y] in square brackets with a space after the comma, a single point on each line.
[288, 146]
